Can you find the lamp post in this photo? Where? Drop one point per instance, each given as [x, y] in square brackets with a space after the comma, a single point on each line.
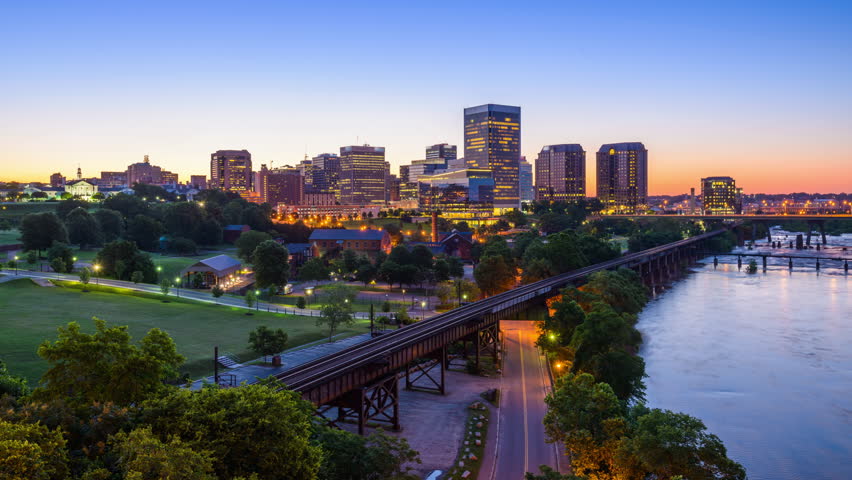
[96, 267]
[309, 291]
[177, 287]
[403, 295]
[159, 270]
[422, 309]
[16, 264]
[257, 300]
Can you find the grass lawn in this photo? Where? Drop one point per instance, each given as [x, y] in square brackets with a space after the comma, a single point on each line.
[357, 306]
[9, 237]
[16, 210]
[31, 315]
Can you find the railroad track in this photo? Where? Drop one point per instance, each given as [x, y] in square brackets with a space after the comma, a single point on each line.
[319, 371]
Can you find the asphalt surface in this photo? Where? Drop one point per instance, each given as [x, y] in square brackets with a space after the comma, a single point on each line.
[520, 445]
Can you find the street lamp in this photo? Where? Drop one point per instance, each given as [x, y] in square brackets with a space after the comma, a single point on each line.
[403, 295]
[309, 291]
[256, 301]
[96, 267]
[422, 309]
[16, 264]
[177, 287]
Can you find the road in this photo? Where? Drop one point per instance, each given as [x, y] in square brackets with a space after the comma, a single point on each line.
[520, 445]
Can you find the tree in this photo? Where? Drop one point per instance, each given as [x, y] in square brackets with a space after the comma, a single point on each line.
[374, 457]
[250, 299]
[65, 207]
[128, 206]
[110, 222]
[31, 451]
[183, 246]
[137, 276]
[313, 271]
[270, 261]
[559, 327]
[548, 473]
[587, 418]
[217, 292]
[183, 219]
[85, 275]
[11, 384]
[265, 341]
[300, 302]
[61, 258]
[83, 229]
[366, 273]
[40, 230]
[209, 232]
[350, 260]
[665, 444]
[165, 286]
[493, 275]
[32, 257]
[145, 231]
[259, 429]
[105, 366]
[336, 308]
[248, 242]
[390, 272]
[421, 257]
[143, 456]
[121, 258]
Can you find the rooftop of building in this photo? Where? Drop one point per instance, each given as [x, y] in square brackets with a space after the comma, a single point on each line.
[563, 147]
[220, 264]
[620, 147]
[346, 234]
[492, 107]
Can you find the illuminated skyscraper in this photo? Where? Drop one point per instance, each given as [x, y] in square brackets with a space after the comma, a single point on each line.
[363, 173]
[721, 196]
[326, 173]
[560, 173]
[231, 170]
[441, 151]
[492, 140]
[526, 190]
[623, 176]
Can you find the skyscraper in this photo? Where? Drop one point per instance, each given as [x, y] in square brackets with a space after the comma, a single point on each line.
[560, 173]
[525, 181]
[492, 140]
[326, 173]
[721, 196]
[441, 151]
[231, 170]
[622, 176]
[363, 173]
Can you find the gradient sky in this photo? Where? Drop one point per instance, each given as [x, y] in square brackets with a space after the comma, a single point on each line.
[761, 92]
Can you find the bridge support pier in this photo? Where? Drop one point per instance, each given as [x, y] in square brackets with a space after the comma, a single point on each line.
[426, 370]
[764, 263]
[376, 403]
[486, 343]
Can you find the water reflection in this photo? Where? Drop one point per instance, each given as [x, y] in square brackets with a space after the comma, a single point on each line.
[764, 360]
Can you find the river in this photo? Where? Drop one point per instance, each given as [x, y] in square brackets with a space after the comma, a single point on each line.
[765, 360]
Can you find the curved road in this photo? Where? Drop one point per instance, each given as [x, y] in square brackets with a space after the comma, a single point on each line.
[520, 445]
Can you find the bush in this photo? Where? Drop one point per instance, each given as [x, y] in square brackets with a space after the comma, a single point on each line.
[300, 302]
[184, 246]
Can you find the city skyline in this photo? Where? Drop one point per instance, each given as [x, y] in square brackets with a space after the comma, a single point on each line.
[747, 97]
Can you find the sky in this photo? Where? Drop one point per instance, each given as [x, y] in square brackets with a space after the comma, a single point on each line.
[760, 91]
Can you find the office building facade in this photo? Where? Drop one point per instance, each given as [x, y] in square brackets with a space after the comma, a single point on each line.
[326, 174]
[622, 174]
[721, 196]
[231, 170]
[466, 193]
[526, 189]
[560, 173]
[441, 151]
[492, 140]
[363, 175]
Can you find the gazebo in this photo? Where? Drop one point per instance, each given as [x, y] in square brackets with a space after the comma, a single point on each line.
[215, 270]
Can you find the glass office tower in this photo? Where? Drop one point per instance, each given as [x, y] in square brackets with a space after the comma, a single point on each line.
[363, 173]
[231, 170]
[623, 177]
[492, 140]
[560, 173]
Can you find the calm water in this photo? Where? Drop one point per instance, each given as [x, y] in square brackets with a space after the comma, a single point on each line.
[764, 360]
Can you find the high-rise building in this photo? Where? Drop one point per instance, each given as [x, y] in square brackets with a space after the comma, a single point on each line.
[466, 193]
[492, 140]
[363, 172]
[112, 179]
[57, 180]
[198, 181]
[284, 185]
[231, 170]
[622, 172]
[560, 173]
[526, 190]
[721, 196]
[441, 151]
[326, 174]
[306, 169]
[145, 172]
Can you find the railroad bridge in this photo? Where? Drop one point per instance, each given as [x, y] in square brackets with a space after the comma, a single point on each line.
[361, 384]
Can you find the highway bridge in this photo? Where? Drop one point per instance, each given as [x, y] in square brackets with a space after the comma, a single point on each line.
[361, 384]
